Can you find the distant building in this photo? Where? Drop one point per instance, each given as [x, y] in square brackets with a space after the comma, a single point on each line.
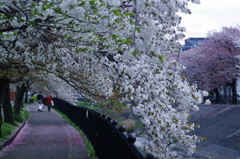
[191, 43]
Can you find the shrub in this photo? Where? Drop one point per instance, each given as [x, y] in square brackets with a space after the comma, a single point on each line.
[18, 118]
[26, 114]
[129, 124]
[7, 130]
[33, 99]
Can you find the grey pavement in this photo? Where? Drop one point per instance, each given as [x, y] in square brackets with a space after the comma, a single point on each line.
[220, 124]
[45, 136]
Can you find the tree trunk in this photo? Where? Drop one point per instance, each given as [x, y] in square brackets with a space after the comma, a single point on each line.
[217, 95]
[19, 99]
[234, 91]
[7, 108]
[1, 118]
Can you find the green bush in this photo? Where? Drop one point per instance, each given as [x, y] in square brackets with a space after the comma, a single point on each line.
[26, 114]
[18, 118]
[33, 99]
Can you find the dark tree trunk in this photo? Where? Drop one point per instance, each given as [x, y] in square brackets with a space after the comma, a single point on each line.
[19, 99]
[5, 99]
[7, 108]
[1, 118]
[234, 91]
[217, 95]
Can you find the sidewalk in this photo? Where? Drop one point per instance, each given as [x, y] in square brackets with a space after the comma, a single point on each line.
[220, 125]
[45, 136]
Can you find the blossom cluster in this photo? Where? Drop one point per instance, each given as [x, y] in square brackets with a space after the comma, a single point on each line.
[109, 47]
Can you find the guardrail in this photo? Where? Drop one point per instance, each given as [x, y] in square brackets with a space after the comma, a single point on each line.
[108, 140]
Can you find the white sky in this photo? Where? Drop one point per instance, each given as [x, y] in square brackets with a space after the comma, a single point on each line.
[211, 15]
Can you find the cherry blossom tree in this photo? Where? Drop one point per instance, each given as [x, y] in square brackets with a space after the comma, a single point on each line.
[213, 63]
[109, 48]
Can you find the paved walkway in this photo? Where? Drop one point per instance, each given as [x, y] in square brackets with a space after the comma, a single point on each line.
[220, 124]
[45, 136]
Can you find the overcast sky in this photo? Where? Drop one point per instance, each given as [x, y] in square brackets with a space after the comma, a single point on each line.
[211, 15]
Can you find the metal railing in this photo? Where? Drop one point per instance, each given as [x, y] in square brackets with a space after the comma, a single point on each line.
[108, 140]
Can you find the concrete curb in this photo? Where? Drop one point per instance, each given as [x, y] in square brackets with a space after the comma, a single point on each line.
[10, 138]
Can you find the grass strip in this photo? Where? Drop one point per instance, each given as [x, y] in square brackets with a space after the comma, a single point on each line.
[87, 105]
[8, 129]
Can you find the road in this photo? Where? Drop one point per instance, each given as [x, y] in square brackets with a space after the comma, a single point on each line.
[220, 124]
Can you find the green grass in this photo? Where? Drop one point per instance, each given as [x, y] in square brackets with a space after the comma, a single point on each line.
[86, 104]
[18, 118]
[26, 114]
[7, 129]
[82, 103]
[89, 147]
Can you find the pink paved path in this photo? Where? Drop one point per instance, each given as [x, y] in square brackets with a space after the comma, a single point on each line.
[45, 136]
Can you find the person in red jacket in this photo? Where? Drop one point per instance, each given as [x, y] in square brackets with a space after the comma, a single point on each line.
[48, 102]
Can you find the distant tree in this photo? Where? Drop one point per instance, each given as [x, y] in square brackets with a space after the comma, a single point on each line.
[213, 63]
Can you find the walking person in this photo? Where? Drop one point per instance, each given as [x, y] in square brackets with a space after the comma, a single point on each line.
[40, 97]
[48, 102]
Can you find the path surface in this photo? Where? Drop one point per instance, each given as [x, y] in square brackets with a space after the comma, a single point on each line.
[220, 124]
[45, 136]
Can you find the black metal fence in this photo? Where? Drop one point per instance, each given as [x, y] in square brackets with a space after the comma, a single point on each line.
[108, 140]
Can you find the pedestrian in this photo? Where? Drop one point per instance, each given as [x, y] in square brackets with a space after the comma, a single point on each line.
[48, 102]
[40, 107]
[40, 97]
